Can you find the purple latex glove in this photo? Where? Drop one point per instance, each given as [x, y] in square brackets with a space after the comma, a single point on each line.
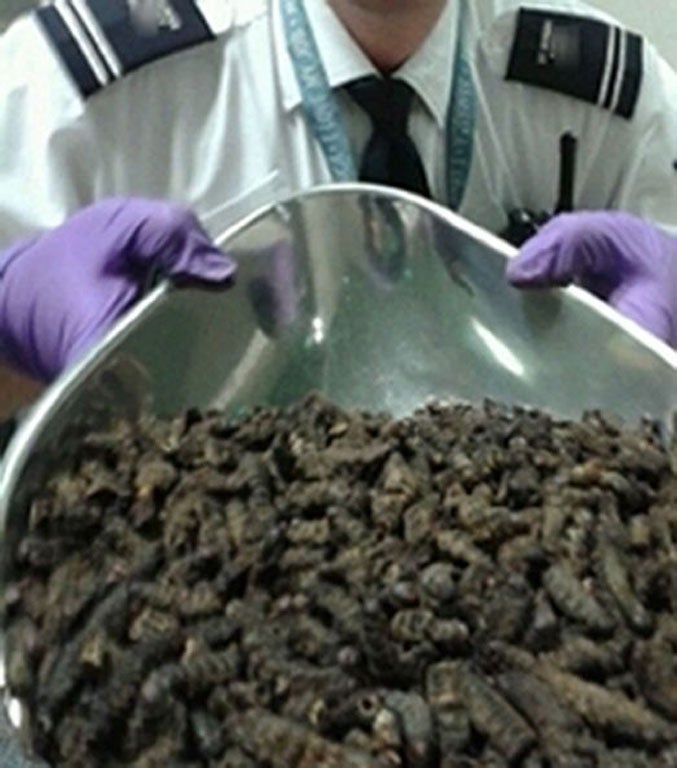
[624, 260]
[60, 291]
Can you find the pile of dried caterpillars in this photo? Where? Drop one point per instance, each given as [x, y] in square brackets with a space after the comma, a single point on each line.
[315, 588]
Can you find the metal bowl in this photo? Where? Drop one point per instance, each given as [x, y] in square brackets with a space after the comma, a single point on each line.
[375, 297]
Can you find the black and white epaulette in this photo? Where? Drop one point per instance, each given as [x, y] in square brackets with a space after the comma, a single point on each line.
[100, 41]
[578, 56]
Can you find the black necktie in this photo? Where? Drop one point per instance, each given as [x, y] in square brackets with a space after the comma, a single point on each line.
[390, 156]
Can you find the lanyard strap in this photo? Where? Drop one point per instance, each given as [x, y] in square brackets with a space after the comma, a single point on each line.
[325, 119]
[321, 108]
[460, 127]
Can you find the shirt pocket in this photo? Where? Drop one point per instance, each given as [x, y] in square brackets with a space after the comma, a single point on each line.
[219, 219]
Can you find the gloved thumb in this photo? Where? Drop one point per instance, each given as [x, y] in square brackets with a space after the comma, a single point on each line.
[162, 237]
[654, 315]
[540, 266]
[571, 248]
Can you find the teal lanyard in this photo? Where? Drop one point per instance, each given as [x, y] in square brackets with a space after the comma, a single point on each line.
[325, 119]
[321, 108]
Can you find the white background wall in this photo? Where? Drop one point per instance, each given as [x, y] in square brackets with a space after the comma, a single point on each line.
[657, 19]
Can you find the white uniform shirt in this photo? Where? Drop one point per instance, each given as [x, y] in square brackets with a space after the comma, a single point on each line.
[220, 126]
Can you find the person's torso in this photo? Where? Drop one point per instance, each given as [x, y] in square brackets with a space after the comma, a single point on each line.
[221, 124]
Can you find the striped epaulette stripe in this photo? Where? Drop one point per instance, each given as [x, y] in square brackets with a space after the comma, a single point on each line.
[78, 55]
[91, 25]
[621, 84]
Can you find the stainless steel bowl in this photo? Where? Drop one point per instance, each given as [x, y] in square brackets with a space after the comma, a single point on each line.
[377, 298]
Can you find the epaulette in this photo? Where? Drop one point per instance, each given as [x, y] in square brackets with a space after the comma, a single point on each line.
[578, 56]
[100, 41]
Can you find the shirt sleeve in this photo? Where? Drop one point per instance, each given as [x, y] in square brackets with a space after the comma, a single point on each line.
[49, 160]
[647, 185]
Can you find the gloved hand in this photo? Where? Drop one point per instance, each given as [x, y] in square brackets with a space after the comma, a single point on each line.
[624, 260]
[60, 291]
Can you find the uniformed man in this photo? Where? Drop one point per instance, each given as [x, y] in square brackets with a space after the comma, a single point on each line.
[227, 105]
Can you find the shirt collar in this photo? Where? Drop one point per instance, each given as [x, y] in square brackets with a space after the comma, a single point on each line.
[428, 71]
